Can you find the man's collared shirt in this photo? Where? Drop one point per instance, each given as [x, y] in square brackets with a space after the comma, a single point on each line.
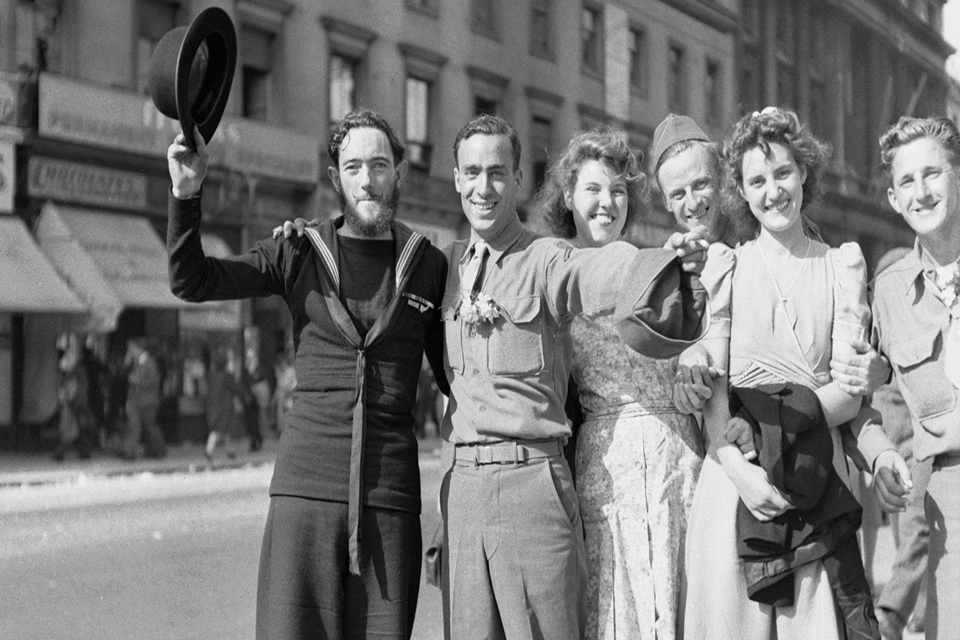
[911, 324]
[508, 376]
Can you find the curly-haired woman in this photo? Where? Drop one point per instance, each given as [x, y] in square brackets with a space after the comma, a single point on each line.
[795, 303]
[637, 457]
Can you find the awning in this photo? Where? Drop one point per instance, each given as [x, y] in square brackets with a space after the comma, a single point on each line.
[219, 315]
[113, 261]
[30, 284]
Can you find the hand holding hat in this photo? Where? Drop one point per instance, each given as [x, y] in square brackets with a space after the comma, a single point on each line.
[191, 71]
[187, 166]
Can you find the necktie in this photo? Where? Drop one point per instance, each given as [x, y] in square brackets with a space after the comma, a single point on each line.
[943, 287]
[469, 279]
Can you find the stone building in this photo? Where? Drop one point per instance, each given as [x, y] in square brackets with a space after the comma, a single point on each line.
[83, 172]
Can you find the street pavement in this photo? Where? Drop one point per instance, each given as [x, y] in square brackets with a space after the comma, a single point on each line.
[56, 506]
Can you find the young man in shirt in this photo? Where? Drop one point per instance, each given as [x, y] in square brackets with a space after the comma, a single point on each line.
[515, 564]
[917, 321]
[342, 546]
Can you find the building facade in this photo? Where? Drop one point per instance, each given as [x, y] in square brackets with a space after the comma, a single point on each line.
[82, 149]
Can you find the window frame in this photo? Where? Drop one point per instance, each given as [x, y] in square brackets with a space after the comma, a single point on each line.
[599, 42]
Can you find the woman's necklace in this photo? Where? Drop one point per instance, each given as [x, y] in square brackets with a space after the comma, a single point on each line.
[782, 293]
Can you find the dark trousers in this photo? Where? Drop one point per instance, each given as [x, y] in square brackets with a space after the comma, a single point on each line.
[305, 588]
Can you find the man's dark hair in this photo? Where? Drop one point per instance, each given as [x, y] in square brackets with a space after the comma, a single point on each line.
[363, 119]
[488, 125]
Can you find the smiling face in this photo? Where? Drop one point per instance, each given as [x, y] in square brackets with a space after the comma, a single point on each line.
[926, 189]
[367, 182]
[773, 186]
[690, 191]
[487, 183]
[598, 200]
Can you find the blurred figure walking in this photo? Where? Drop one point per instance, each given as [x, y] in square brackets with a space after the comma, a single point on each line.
[143, 403]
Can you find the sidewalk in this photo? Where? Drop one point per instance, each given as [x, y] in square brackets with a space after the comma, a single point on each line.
[21, 469]
[24, 469]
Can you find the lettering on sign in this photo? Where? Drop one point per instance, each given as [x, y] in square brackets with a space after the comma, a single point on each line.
[88, 184]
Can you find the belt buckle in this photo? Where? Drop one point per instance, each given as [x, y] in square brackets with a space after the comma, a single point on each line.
[483, 454]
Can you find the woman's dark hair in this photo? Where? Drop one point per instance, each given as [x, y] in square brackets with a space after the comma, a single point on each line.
[760, 129]
[611, 148]
[363, 119]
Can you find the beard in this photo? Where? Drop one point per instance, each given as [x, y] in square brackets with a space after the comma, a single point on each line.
[386, 211]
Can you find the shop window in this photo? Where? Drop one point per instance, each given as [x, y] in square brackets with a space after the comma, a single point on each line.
[256, 63]
[638, 60]
[676, 74]
[155, 18]
[541, 32]
[418, 122]
[591, 39]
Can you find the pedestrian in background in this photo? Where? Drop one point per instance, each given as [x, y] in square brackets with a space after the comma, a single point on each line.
[286, 377]
[143, 403]
[224, 393]
[76, 422]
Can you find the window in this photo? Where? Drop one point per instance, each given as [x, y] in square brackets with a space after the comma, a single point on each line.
[591, 39]
[676, 95]
[256, 63]
[541, 131]
[418, 122]
[483, 18]
[155, 19]
[541, 35]
[343, 86]
[348, 51]
[422, 101]
[786, 51]
[638, 60]
[426, 7]
[816, 53]
[483, 105]
[713, 98]
[750, 69]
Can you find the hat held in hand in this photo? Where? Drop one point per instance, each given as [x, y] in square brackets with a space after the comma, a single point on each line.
[191, 71]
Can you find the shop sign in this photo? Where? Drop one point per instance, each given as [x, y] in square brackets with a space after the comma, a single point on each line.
[7, 166]
[102, 117]
[9, 104]
[87, 184]
[260, 149]
[126, 121]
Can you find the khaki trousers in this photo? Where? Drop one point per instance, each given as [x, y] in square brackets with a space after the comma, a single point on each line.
[515, 565]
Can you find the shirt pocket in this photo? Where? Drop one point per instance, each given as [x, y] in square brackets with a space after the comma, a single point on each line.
[515, 346]
[926, 389]
[452, 333]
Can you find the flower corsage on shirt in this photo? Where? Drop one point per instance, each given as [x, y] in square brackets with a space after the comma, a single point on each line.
[950, 290]
[476, 310]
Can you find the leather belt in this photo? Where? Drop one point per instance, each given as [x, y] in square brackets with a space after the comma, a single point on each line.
[515, 452]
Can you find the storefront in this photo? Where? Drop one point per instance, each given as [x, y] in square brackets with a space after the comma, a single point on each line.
[95, 196]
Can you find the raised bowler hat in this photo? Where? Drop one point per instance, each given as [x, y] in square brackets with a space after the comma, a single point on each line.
[191, 71]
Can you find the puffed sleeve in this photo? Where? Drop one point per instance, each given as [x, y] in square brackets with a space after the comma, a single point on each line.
[851, 313]
[717, 279]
